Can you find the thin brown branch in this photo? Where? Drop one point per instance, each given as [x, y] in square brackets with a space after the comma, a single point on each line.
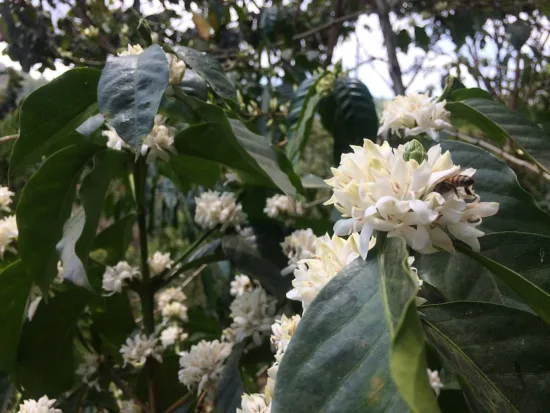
[333, 34]
[125, 389]
[9, 137]
[199, 403]
[178, 403]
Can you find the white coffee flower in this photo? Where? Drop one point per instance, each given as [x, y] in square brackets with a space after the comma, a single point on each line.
[414, 114]
[160, 142]
[376, 189]
[229, 335]
[231, 177]
[8, 234]
[299, 245]
[272, 378]
[174, 310]
[89, 369]
[282, 205]
[43, 405]
[159, 262]
[5, 198]
[176, 69]
[170, 294]
[435, 382]
[282, 331]
[253, 403]
[202, 364]
[252, 314]
[215, 208]
[114, 141]
[240, 285]
[128, 406]
[171, 335]
[114, 278]
[331, 256]
[132, 50]
[138, 348]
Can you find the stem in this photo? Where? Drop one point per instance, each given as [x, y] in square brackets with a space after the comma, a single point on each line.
[179, 403]
[333, 34]
[389, 40]
[146, 292]
[125, 388]
[207, 259]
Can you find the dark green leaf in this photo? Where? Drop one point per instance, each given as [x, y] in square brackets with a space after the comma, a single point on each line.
[130, 90]
[403, 40]
[45, 358]
[52, 113]
[115, 239]
[353, 115]
[15, 285]
[185, 170]
[534, 296]
[297, 103]
[7, 392]
[194, 85]
[230, 387]
[43, 208]
[500, 123]
[362, 324]
[421, 39]
[208, 67]
[496, 182]
[463, 94]
[80, 230]
[493, 347]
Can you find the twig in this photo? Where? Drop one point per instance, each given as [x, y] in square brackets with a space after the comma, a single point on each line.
[9, 137]
[203, 395]
[178, 403]
[192, 276]
[125, 388]
[333, 35]
[507, 156]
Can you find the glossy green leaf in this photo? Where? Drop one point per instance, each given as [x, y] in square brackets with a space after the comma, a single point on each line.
[351, 113]
[362, 324]
[193, 85]
[302, 93]
[130, 91]
[500, 123]
[499, 351]
[230, 386]
[534, 296]
[298, 141]
[496, 182]
[52, 113]
[185, 170]
[210, 69]
[115, 239]
[44, 206]
[15, 285]
[45, 359]
[230, 143]
[470, 93]
[80, 230]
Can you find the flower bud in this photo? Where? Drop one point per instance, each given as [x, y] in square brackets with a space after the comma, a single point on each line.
[414, 151]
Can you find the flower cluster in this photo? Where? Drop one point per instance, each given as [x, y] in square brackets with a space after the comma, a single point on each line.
[299, 245]
[43, 405]
[201, 366]
[89, 369]
[138, 348]
[115, 278]
[375, 188]
[176, 66]
[414, 114]
[170, 294]
[159, 262]
[5, 199]
[254, 403]
[252, 313]
[282, 331]
[172, 335]
[8, 234]
[331, 256]
[240, 285]
[435, 381]
[282, 205]
[174, 311]
[171, 302]
[214, 208]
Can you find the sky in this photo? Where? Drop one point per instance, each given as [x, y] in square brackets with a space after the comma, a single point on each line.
[366, 42]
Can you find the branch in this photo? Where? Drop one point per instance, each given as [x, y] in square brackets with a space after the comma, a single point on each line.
[125, 388]
[389, 40]
[9, 137]
[333, 35]
[178, 403]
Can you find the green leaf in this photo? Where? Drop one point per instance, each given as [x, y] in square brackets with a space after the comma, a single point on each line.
[230, 143]
[499, 351]
[500, 123]
[45, 358]
[421, 39]
[470, 93]
[210, 69]
[496, 182]
[44, 206]
[351, 113]
[130, 91]
[7, 392]
[115, 239]
[80, 230]
[52, 113]
[362, 324]
[230, 386]
[297, 103]
[403, 40]
[15, 285]
[194, 85]
[260, 257]
[185, 170]
[534, 296]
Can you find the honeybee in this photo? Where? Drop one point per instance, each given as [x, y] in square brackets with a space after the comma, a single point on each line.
[454, 182]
